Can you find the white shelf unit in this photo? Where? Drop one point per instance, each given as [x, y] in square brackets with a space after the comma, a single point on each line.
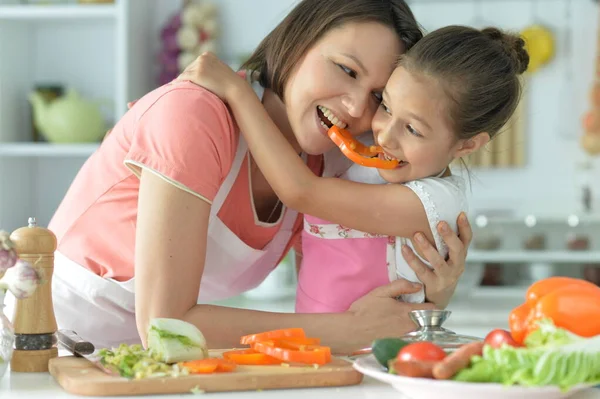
[102, 51]
[17, 150]
[516, 256]
[15, 12]
[557, 232]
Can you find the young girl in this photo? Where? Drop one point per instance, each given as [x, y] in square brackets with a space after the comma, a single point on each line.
[448, 96]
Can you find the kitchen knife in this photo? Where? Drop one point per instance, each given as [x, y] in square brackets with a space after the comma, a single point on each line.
[79, 347]
[361, 352]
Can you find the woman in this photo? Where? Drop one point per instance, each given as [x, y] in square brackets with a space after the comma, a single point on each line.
[171, 211]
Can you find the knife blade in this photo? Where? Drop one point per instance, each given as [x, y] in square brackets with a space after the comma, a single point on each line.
[79, 347]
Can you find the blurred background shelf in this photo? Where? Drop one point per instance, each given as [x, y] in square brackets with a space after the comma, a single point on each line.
[520, 256]
[75, 11]
[47, 150]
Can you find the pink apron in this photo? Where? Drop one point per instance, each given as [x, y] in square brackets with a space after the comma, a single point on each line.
[231, 268]
[335, 248]
[340, 264]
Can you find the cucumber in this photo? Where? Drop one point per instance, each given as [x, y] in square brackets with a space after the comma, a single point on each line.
[386, 349]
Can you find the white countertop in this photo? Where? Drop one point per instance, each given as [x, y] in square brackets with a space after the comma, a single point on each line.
[43, 386]
[480, 318]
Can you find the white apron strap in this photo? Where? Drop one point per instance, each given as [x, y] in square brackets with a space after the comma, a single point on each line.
[223, 192]
[240, 153]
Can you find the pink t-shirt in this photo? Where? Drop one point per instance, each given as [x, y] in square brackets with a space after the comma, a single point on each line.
[186, 135]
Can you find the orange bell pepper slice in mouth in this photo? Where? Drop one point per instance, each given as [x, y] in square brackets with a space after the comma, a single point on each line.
[210, 365]
[358, 152]
[250, 357]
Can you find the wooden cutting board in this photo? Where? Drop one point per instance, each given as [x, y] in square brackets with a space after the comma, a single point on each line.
[80, 377]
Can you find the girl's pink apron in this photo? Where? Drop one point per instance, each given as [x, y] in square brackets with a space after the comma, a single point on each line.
[350, 260]
[103, 310]
[340, 264]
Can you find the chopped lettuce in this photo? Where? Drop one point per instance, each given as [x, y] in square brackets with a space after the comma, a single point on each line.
[133, 361]
[552, 356]
[170, 341]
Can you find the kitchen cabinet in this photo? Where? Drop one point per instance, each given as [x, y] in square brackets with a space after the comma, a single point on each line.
[100, 50]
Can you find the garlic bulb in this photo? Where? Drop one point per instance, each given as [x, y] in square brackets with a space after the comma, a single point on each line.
[8, 256]
[22, 279]
[5, 241]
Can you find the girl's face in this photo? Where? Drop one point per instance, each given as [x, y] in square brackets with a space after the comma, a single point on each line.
[339, 81]
[412, 125]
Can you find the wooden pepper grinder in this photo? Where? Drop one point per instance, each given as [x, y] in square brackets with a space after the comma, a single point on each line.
[34, 321]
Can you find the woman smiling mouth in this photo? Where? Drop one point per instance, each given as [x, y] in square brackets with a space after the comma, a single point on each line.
[327, 119]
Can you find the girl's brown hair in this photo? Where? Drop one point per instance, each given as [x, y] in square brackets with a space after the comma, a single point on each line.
[283, 48]
[478, 70]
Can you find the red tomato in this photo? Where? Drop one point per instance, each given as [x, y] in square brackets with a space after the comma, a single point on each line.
[498, 337]
[421, 351]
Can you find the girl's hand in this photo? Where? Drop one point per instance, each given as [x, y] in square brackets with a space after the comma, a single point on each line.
[214, 75]
[441, 281]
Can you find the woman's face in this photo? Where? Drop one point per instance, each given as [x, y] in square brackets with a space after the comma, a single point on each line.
[340, 81]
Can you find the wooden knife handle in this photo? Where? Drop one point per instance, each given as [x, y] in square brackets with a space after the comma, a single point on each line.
[74, 343]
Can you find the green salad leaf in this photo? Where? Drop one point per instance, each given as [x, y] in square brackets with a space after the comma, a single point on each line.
[552, 356]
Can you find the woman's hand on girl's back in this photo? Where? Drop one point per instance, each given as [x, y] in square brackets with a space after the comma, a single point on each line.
[440, 281]
[214, 75]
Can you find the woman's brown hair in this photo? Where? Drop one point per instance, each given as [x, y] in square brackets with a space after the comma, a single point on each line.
[478, 70]
[283, 48]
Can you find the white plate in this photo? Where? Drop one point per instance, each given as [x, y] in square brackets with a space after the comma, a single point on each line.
[425, 388]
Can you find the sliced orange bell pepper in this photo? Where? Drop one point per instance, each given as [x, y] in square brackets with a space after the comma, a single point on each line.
[274, 334]
[250, 357]
[309, 354]
[209, 365]
[296, 343]
[541, 288]
[358, 152]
